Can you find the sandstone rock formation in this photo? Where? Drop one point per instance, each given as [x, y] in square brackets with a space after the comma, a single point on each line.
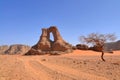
[14, 49]
[45, 45]
[3, 49]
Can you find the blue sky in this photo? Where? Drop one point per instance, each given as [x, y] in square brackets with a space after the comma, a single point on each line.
[21, 20]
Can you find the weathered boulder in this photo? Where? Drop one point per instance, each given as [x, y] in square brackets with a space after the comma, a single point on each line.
[47, 46]
[82, 47]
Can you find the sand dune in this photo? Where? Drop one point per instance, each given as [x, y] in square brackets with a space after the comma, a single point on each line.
[79, 65]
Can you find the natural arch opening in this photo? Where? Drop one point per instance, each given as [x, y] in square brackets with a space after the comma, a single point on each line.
[51, 37]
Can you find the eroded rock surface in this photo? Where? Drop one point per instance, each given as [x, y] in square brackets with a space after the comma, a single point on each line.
[14, 49]
[45, 45]
[3, 49]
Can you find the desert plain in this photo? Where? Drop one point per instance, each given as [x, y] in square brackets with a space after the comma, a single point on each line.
[78, 65]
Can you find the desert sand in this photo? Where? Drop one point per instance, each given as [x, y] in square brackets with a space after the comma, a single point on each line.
[79, 65]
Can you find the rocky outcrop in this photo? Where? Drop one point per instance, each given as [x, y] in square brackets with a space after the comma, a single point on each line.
[45, 45]
[3, 49]
[82, 47]
[14, 49]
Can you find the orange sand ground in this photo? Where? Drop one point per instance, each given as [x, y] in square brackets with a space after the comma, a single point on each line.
[79, 65]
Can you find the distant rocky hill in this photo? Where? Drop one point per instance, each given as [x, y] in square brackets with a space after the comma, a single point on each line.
[112, 46]
[14, 49]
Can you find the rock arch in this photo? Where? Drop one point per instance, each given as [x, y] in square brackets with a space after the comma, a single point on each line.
[55, 33]
[45, 45]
